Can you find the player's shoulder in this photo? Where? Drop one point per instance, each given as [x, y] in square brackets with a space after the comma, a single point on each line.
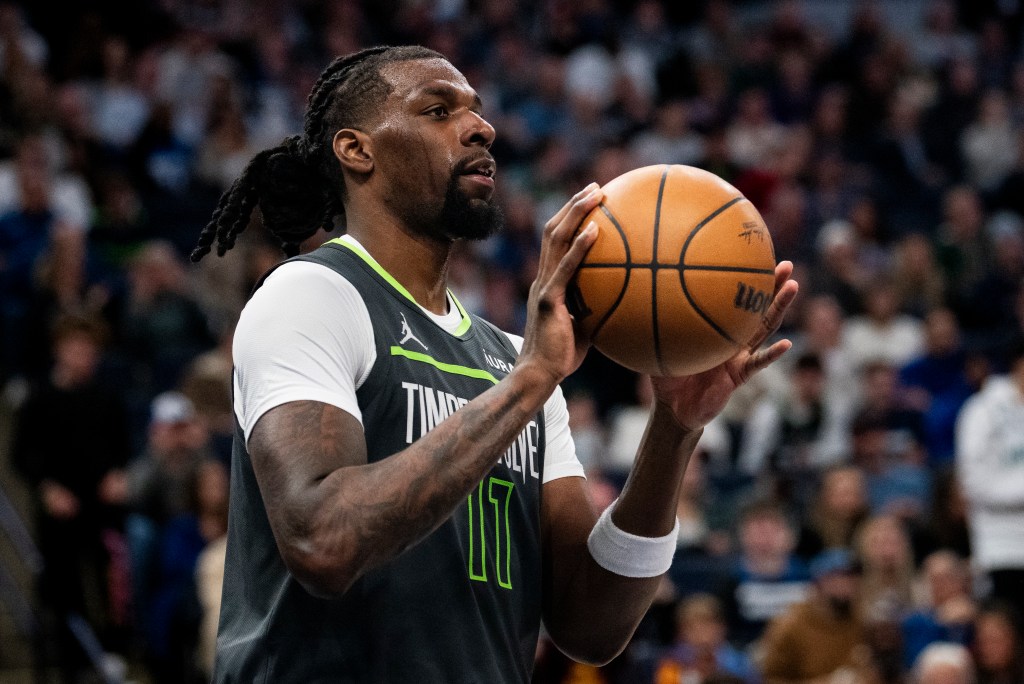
[299, 273]
[303, 282]
[300, 290]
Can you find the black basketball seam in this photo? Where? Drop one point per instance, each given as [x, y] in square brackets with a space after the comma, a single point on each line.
[627, 266]
[655, 267]
[730, 269]
[682, 279]
[654, 275]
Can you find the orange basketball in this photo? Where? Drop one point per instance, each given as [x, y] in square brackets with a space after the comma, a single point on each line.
[680, 275]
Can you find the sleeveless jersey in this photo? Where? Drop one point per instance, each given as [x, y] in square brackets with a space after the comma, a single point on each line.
[462, 605]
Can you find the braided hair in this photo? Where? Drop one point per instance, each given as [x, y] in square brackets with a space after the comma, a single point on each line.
[298, 185]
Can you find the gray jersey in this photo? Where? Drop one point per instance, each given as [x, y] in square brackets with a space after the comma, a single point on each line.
[464, 604]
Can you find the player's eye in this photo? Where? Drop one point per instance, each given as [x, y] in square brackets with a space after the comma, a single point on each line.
[438, 112]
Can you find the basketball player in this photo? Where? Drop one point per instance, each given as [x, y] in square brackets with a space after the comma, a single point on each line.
[406, 505]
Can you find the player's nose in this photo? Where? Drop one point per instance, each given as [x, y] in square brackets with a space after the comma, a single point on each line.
[478, 131]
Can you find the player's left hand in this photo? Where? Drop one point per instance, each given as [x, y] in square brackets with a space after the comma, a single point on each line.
[695, 399]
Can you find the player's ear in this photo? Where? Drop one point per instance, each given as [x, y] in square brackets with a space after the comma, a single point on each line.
[354, 150]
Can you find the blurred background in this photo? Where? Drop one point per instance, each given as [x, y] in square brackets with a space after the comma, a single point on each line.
[870, 486]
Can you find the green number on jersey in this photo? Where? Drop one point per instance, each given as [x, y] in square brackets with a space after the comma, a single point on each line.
[499, 494]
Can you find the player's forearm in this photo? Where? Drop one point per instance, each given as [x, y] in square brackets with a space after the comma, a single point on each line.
[597, 611]
[647, 506]
[357, 517]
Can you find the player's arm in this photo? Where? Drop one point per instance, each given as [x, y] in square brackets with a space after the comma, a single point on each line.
[590, 611]
[335, 516]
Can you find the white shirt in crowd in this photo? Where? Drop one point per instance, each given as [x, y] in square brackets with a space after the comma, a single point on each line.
[990, 464]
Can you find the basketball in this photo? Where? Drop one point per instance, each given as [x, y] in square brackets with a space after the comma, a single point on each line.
[680, 275]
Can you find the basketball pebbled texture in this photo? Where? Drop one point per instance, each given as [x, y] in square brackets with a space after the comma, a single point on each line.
[680, 275]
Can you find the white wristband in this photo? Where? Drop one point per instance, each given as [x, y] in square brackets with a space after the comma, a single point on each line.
[628, 554]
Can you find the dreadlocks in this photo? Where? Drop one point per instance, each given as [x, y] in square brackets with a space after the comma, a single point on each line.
[298, 185]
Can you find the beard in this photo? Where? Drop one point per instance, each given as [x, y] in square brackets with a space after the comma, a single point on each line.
[460, 217]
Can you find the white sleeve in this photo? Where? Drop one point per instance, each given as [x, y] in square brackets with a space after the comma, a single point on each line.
[559, 450]
[305, 335]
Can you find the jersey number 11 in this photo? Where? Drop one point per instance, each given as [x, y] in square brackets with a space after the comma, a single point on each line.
[498, 494]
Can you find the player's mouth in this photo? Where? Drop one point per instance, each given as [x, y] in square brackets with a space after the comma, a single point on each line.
[480, 172]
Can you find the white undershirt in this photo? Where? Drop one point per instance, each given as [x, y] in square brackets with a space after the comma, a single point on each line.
[289, 346]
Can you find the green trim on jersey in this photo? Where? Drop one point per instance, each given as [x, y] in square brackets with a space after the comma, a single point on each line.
[372, 263]
[466, 320]
[444, 367]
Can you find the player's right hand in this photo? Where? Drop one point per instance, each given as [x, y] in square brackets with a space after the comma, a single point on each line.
[551, 340]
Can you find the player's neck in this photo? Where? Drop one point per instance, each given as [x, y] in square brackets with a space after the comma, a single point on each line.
[418, 262]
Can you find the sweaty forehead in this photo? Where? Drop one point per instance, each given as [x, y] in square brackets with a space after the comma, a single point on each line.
[415, 76]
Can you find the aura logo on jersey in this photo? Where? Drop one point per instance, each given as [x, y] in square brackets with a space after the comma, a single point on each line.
[498, 364]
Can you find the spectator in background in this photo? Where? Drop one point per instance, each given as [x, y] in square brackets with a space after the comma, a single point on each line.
[754, 136]
[871, 231]
[161, 325]
[226, 148]
[207, 384]
[121, 225]
[820, 334]
[627, 425]
[943, 663]
[947, 523]
[700, 649]
[989, 448]
[882, 333]
[936, 384]
[942, 39]
[161, 481]
[587, 430]
[836, 514]
[887, 566]
[833, 196]
[172, 621]
[919, 282]
[946, 611]
[952, 112]
[18, 41]
[882, 399]
[991, 302]
[70, 446]
[25, 233]
[209, 585]
[904, 165]
[963, 252]
[822, 637]
[790, 438]
[989, 143]
[998, 649]
[65, 195]
[897, 482]
[670, 140]
[119, 109]
[43, 254]
[841, 277]
[705, 518]
[766, 578]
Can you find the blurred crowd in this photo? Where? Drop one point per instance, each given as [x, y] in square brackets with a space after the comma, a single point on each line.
[855, 515]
